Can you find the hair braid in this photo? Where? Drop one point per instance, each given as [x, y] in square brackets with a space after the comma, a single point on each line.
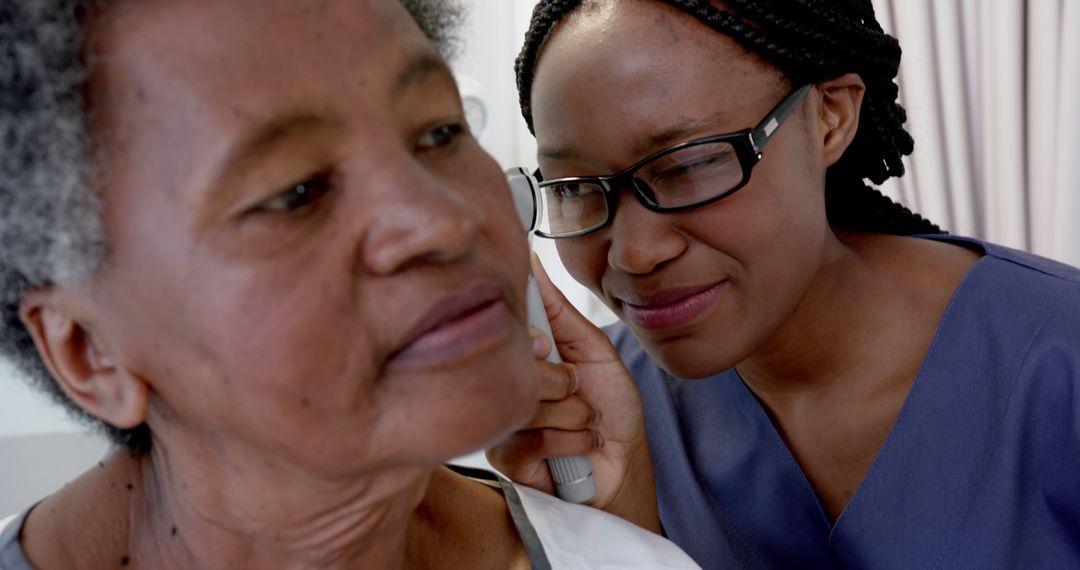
[544, 17]
[809, 41]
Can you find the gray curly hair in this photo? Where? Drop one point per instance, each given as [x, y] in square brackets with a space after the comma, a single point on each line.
[50, 216]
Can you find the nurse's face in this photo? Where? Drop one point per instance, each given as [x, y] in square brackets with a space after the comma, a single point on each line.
[310, 256]
[703, 288]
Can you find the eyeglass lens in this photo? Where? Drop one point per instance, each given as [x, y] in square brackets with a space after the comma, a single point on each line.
[685, 177]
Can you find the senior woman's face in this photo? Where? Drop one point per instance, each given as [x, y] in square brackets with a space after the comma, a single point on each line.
[309, 254]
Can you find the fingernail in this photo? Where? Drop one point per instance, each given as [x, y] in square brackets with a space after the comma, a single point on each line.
[539, 344]
[599, 440]
[575, 382]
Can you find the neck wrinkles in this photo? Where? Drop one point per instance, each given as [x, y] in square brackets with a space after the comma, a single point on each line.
[214, 514]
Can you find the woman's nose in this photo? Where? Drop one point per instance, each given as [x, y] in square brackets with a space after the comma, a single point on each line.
[641, 241]
[421, 219]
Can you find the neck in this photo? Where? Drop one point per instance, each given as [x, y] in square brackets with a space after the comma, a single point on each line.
[844, 325]
[195, 511]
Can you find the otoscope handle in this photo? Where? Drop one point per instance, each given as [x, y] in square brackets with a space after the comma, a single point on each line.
[572, 475]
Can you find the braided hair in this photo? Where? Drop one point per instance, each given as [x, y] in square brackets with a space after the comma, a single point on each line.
[809, 41]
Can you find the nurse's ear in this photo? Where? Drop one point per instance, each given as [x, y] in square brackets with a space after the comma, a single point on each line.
[80, 361]
[838, 114]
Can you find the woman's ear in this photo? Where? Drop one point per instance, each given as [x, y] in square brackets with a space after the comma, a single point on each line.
[841, 103]
[80, 362]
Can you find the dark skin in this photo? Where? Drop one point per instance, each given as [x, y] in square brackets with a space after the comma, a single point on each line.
[460, 523]
[828, 328]
[281, 221]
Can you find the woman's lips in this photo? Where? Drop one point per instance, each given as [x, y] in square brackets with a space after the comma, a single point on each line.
[672, 309]
[456, 326]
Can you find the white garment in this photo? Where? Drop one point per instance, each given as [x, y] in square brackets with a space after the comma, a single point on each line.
[575, 537]
[579, 537]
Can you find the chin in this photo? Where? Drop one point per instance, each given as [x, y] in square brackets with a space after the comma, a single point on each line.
[485, 410]
[484, 429]
[515, 405]
[688, 360]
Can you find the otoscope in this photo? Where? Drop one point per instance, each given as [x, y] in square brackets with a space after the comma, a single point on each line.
[573, 475]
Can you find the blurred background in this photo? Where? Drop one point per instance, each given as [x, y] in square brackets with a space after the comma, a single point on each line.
[992, 89]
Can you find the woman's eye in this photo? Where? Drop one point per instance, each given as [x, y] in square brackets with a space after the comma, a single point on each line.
[704, 163]
[568, 191]
[441, 136]
[297, 197]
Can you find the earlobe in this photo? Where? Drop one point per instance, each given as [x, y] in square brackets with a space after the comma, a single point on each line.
[841, 105]
[82, 364]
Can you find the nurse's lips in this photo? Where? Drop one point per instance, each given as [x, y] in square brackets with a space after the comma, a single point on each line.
[456, 325]
[673, 307]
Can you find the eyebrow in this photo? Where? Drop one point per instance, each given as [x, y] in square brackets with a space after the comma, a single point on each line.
[291, 124]
[271, 133]
[288, 125]
[419, 69]
[251, 147]
[676, 132]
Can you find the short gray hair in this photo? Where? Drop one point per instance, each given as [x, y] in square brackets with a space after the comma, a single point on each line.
[51, 230]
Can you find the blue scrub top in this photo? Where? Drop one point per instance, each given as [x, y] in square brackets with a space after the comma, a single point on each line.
[980, 470]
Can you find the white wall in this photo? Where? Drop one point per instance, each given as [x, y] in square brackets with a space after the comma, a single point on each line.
[25, 412]
[40, 448]
[496, 30]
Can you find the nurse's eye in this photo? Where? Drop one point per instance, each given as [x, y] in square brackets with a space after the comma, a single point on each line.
[569, 191]
[297, 197]
[441, 136]
[699, 161]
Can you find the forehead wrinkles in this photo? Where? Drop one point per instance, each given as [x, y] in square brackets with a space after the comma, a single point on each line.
[227, 57]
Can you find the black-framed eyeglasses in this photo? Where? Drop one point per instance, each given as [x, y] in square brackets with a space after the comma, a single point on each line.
[684, 176]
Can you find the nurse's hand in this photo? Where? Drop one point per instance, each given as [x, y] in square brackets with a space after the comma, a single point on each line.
[590, 407]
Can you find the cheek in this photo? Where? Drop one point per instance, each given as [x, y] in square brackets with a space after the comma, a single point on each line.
[305, 329]
[783, 206]
[779, 240]
[301, 332]
[296, 372]
[268, 356]
[483, 184]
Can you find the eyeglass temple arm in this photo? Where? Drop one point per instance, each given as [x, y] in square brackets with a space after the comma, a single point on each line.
[765, 129]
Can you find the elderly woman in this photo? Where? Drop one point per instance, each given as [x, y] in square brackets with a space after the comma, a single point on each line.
[254, 240]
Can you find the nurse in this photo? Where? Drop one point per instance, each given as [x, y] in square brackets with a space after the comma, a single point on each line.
[826, 379]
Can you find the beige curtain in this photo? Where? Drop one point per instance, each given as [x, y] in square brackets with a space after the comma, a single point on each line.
[992, 89]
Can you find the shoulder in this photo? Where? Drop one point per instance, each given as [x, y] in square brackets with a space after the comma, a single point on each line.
[1046, 278]
[576, 536]
[1041, 285]
[1034, 300]
[1031, 262]
[1023, 264]
[1041, 297]
[1007, 282]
